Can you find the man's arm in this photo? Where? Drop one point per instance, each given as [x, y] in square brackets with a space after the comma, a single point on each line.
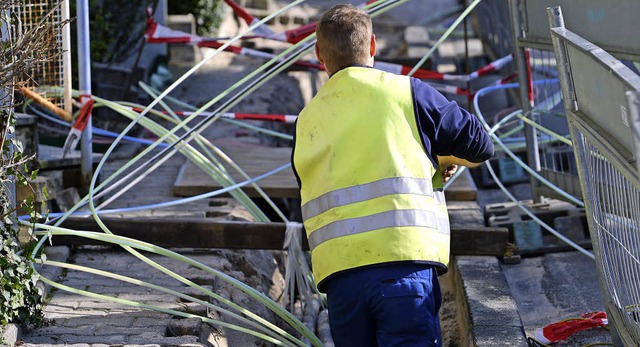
[450, 134]
[450, 160]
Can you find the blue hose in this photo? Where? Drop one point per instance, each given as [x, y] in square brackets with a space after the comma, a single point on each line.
[97, 131]
[173, 202]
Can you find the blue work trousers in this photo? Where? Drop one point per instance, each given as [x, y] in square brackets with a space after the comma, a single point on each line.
[389, 305]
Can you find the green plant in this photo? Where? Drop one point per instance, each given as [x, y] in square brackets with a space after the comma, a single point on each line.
[20, 300]
[116, 28]
[208, 14]
[22, 50]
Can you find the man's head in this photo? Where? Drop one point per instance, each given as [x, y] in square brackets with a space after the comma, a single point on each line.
[344, 37]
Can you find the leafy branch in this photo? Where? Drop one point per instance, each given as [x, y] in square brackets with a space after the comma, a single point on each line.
[21, 52]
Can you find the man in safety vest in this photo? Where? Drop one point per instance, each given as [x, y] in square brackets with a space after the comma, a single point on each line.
[367, 148]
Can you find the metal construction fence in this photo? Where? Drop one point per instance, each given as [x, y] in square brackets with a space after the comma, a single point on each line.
[521, 27]
[55, 72]
[600, 98]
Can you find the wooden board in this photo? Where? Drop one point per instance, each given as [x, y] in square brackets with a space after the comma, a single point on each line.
[255, 160]
[203, 233]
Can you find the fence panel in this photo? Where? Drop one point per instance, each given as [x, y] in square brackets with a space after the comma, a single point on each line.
[595, 87]
[55, 72]
[589, 18]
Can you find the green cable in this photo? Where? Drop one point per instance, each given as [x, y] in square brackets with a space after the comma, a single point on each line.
[453, 26]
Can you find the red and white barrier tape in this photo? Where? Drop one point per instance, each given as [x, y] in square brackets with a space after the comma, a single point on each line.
[157, 33]
[71, 142]
[560, 331]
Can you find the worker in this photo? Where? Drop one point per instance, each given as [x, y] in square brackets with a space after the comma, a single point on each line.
[366, 150]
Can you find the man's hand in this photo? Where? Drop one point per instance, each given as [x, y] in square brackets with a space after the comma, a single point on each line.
[449, 172]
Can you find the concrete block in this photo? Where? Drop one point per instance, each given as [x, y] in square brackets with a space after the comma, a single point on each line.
[507, 170]
[83, 330]
[182, 327]
[43, 190]
[493, 313]
[465, 214]
[496, 336]
[507, 213]
[27, 134]
[105, 330]
[510, 171]
[164, 341]
[113, 339]
[42, 183]
[284, 20]
[416, 52]
[455, 48]
[149, 321]
[182, 52]
[119, 321]
[114, 75]
[574, 227]
[257, 4]
[416, 35]
[56, 253]
[527, 235]
[67, 198]
[10, 334]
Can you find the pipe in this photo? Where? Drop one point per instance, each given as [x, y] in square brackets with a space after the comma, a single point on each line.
[84, 85]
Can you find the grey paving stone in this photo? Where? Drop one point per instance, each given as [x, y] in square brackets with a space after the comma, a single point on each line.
[108, 330]
[9, 333]
[494, 316]
[95, 339]
[81, 283]
[35, 340]
[148, 321]
[187, 326]
[147, 297]
[166, 341]
[57, 330]
[70, 313]
[109, 320]
[497, 336]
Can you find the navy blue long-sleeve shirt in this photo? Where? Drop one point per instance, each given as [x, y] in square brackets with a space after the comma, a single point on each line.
[447, 129]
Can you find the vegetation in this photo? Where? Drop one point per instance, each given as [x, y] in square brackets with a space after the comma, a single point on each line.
[208, 14]
[22, 50]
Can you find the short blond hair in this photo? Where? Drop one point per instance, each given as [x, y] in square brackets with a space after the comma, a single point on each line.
[344, 36]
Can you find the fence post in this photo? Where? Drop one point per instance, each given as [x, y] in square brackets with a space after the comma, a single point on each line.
[634, 116]
[519, 56]
[84, 85]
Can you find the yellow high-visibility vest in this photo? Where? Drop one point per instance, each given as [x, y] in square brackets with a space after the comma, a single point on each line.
[366, 181]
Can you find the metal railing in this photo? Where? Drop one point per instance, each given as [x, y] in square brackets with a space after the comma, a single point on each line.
[600, 98]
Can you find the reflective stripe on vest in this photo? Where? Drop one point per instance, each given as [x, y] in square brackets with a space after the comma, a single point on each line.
[396, 218]
[367, 191]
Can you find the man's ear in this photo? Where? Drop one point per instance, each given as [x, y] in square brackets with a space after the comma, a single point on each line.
[319, 55]
[372, 46]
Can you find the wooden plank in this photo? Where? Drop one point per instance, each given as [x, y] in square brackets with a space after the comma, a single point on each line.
[198, 233]
[479, 241]
[50, 157]
[255, 160]
[205, 233]
[465, 214]
[462, 189]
